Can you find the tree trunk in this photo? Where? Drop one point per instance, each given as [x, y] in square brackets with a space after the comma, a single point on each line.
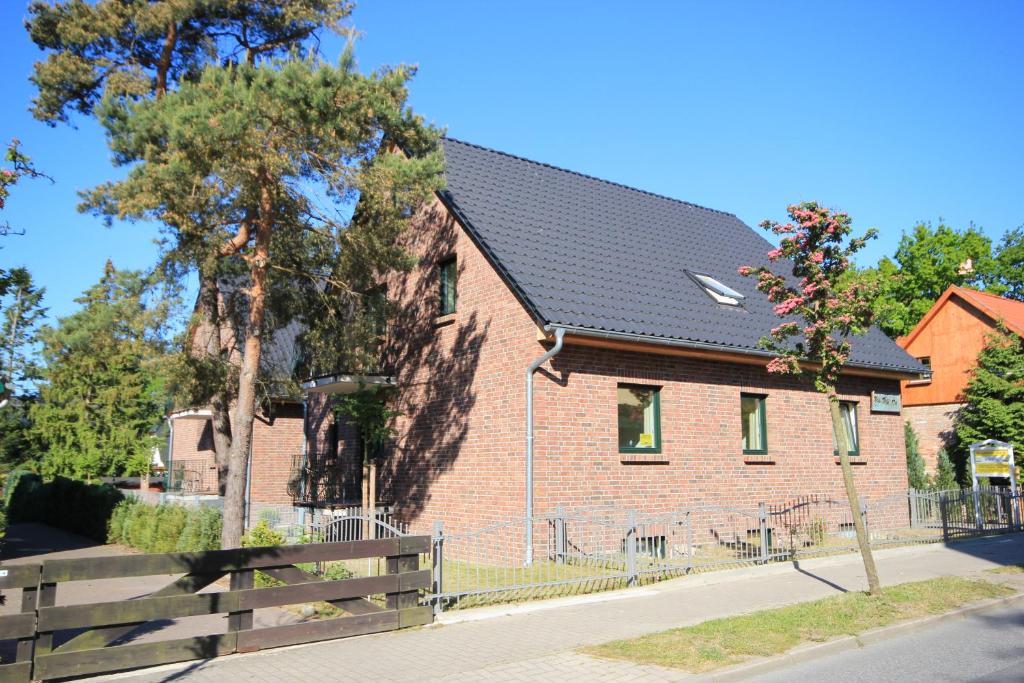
[373, 499]
[851, 493]
[238, 461]
[365, 502]
[209, 344]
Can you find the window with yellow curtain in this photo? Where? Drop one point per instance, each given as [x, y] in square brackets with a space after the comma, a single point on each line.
[754, 424]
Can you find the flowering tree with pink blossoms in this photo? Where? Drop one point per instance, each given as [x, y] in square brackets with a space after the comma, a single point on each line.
[819, 309]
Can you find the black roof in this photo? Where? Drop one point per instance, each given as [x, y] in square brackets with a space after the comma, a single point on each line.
[586, 253]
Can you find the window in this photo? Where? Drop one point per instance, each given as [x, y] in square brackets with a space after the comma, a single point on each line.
[755, 424]
[926, 376]
[639, 419]
[717, 291]
[848, 412]
[448, 276]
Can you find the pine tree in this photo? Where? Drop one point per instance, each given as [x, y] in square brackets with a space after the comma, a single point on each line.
[994, 397]
[916, 477]
[100, 396]
[239, 155]
[945, 473]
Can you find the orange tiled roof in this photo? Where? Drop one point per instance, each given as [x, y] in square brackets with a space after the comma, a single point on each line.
[1009, 311]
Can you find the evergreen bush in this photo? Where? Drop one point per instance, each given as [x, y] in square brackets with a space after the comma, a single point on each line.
[916, 477]
[62, 503]
[945, 473]
[164, 528]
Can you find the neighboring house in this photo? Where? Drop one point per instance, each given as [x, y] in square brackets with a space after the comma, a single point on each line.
[948, 340]
[658, 398]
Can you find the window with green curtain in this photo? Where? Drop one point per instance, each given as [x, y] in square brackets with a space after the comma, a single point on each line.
[639, 419]
[755, 424]
[848, 412]
[448, 276]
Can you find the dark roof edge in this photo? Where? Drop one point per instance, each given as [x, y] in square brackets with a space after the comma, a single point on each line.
[491, 257]
[590, 177]
[706, 346]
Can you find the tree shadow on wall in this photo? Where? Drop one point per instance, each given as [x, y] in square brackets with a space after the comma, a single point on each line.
[435, 361]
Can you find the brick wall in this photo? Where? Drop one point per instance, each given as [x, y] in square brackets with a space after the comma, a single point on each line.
[276, 442]
[934, 427]
[459, 455]
[276, 445]
[193, 443]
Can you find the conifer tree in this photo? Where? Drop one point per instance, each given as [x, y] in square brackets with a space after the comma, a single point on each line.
[994, 396]
[244, 161]
[916, 477]
[101, 394]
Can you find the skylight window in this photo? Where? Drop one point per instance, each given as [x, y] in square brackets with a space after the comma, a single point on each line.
[717, 291]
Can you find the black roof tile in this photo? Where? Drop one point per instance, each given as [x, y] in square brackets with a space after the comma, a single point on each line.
[589, 253]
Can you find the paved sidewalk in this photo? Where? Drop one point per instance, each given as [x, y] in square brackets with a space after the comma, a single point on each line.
[540, 645]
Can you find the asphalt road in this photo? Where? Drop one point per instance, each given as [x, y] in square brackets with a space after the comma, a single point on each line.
[987, 647]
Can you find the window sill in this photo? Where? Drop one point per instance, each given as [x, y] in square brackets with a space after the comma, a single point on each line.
[758, 459]
[653, 457]
[442, 320]
[854, 460]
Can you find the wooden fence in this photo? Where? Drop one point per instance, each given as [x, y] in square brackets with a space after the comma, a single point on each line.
[100, 626]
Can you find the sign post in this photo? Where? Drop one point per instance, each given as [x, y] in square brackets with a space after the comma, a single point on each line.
[991, 458]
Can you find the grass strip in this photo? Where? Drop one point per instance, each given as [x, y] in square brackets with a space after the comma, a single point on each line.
[732, 640]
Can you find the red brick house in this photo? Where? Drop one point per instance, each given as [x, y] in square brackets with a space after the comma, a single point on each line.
[621, 313]
[656, 396]
[948, 340]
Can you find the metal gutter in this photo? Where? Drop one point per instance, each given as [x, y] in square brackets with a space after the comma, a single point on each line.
[551, 353]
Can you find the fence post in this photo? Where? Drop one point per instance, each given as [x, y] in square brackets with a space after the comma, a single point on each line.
[47, 597]
[631, 548]
[977, 508]
[29, 598]
[437, 557]
[689, 543]
[559, 535]
[762, 516]
[941, 498]
[914, 514]
[403, 599]
[242, 579]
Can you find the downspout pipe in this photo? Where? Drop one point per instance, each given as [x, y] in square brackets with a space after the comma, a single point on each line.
[551, 353]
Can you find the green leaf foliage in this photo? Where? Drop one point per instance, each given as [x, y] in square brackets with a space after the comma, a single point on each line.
[1008, 274]
[101, 396]
[927, 261]
[994, 397]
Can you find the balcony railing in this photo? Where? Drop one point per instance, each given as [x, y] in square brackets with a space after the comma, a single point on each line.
[192, 476]
[324, 484]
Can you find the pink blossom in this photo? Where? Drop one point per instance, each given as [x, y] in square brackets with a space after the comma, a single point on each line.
[745, 270]
[774, 254]
[7, 173]
[781, 365]
[818, 257]
[788, 305]
[810, 288]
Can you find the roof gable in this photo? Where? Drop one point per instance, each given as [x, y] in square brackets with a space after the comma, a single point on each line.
[594, 255]
[994, 307]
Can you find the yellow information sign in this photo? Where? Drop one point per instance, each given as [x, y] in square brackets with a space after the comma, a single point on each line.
[992, 469]
[646, 440]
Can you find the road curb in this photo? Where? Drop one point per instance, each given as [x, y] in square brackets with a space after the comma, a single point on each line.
[813, 651]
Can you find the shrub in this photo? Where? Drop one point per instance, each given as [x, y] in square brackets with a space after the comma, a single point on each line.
[945, 473]
[164, 528]
[916, 477]
[62, 503]
[262, 536]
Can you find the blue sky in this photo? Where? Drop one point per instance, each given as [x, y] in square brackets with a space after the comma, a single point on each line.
[894, 112]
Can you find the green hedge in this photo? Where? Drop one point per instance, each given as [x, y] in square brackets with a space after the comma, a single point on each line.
[62, 503]
[164, 528]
